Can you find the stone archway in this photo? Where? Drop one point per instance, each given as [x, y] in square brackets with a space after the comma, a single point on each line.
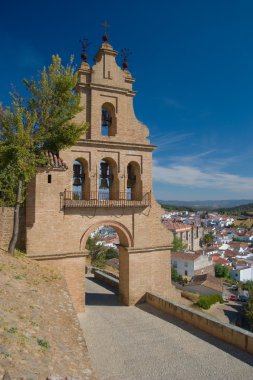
[125, 237]
[126, 242]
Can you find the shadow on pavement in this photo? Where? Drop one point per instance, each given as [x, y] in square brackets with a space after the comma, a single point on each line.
[99, 299]
[231, 350]
[102, 299]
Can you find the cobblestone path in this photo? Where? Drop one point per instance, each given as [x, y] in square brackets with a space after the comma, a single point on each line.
[141, 343]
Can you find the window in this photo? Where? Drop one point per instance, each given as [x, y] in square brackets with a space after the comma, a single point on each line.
[186, 273]
[186, 264]
[49, 178]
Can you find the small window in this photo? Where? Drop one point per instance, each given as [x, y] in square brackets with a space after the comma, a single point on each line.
[49, 178]
[186, 273]
[186, 264]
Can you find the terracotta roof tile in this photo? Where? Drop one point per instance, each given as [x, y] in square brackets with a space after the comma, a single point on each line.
[55, 161]
[185, 256]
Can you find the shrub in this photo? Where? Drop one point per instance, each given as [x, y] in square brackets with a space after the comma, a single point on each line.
[111, 254]
[180, 278]
[205, 302]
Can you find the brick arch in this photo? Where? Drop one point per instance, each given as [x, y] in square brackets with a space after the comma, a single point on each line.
[125, 236]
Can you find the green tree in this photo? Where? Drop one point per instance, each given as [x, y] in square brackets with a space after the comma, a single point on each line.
[97, 252]
[29, 127]
[249, 309]
[248, 285]
[174, 274]
[221, 271]
[178, 245]
[208, 239]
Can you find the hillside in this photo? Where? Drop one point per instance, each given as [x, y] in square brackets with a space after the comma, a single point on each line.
[39, 330]
[208, 204]
[238, 210]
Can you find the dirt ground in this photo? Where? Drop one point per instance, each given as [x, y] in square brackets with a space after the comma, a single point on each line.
[39, 330]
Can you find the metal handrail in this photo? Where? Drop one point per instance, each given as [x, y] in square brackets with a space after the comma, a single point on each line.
[102, 199]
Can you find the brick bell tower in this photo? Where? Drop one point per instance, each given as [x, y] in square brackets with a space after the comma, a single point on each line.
[104, 180]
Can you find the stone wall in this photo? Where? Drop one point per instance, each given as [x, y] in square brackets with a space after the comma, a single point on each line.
[228, 333]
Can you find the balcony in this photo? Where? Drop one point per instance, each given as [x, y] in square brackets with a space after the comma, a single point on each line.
[74, 199]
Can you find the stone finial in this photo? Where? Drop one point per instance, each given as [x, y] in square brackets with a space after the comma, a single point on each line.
[85, 43]
[125, 52]
[105, 37]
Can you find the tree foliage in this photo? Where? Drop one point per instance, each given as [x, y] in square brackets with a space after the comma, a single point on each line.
[178, 245]
[97, 252]
[248, 285]
[249, 309]
[208, 239]
[44, 121]
[221, 271]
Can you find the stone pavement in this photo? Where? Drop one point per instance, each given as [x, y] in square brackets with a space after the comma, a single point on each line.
[141, 343]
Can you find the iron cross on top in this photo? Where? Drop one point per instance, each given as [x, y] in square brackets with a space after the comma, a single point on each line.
[105, 25]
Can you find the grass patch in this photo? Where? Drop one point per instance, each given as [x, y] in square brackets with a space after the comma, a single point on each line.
[43, 343]
[19, 277]
[12, 330]
[19, 253]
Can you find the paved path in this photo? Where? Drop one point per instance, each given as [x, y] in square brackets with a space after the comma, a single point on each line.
[141, 343]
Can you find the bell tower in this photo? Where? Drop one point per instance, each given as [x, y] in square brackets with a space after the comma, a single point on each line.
[104, 180]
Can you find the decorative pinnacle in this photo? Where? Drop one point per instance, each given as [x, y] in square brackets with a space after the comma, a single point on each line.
[105, 26]
[85, 43]
[124, 53]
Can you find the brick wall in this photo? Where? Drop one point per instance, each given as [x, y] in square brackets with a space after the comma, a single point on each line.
[6, 227]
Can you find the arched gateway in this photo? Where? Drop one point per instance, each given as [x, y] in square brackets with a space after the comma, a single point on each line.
[105, 179]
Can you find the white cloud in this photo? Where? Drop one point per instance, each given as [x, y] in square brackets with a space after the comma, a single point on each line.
[193, 177]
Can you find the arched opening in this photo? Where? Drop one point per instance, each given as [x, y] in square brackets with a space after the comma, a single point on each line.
[134, 182]
[106, 246]
[103, 249]
[108, 120]
[80, 180]
[108, 183]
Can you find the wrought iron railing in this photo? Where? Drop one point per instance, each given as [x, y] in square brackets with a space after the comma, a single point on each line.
[101, 199]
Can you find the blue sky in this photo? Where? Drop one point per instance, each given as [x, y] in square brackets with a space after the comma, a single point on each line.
[193, 63]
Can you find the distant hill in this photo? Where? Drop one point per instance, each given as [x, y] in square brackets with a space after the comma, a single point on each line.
[209, 204]
[246, 210]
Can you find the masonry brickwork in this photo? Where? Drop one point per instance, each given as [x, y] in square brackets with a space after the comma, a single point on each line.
[6, 228]
[58, 225]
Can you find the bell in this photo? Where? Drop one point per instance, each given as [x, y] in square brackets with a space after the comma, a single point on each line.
[77, 170]
[130, 183]
[104, 169]
[77, 182]
[106, 118]
[104, 184]
[131, 177]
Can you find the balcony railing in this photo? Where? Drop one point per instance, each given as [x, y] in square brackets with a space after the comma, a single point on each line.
[101, 199]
